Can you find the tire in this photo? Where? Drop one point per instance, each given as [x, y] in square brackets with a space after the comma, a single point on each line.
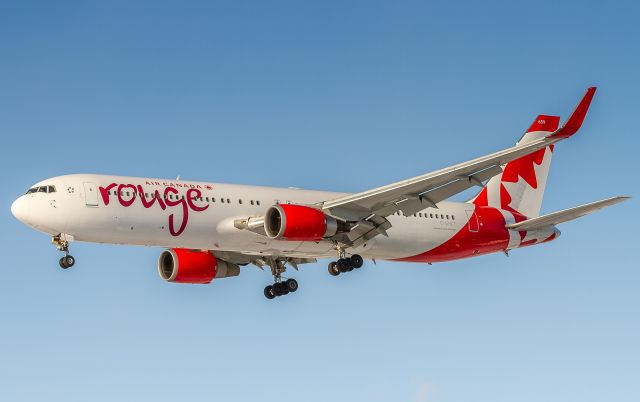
[278, 289]
[69, 261]
[291, 285]
[356, 261]
[268, 292]
[63, 263]
[343, 265]
[333, 269]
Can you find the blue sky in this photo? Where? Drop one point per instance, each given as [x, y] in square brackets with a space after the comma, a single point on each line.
[331, 95]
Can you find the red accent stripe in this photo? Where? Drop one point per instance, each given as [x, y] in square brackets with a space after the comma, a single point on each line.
[491, 237]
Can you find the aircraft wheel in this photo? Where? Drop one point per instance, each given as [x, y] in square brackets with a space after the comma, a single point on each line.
[343, 265]
[333, 268]
[356, 261]
[278, 289]
[67, 262]
[291, 285]
[268, 292]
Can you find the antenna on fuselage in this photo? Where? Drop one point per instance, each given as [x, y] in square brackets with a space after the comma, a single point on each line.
[178, 178]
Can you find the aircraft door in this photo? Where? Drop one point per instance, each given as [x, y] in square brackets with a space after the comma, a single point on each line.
[90, 194]
[473, 221]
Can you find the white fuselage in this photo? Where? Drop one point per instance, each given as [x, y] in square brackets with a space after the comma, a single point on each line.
[123, 210]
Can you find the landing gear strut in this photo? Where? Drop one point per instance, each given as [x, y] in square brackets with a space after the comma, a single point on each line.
[345, 264]
[280, 287]
[62, 244]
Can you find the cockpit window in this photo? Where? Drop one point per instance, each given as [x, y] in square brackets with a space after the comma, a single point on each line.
[41, 189]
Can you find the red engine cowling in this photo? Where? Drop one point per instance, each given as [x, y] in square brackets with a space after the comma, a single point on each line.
[299, 223]
[193, 266]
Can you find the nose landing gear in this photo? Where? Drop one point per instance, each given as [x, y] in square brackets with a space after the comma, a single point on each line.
[62, 244]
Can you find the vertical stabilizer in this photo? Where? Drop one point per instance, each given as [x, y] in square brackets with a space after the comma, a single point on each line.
[520, 186]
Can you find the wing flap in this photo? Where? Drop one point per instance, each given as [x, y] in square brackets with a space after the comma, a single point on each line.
[565, 215]
[411, 204]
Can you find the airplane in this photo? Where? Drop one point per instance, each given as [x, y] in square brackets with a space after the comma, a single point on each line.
[210, 230]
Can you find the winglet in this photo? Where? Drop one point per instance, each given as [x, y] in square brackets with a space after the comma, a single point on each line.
[574, 122]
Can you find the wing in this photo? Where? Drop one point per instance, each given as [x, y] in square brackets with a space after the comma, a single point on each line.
[564, 215]
[370, 208]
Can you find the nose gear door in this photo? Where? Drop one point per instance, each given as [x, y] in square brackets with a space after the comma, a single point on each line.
[90, 194]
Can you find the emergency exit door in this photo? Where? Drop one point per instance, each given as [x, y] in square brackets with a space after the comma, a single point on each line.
[473, 221]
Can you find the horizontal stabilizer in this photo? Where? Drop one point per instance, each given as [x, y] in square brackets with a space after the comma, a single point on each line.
[565, 215]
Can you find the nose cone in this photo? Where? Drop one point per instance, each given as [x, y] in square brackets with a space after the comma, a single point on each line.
[19, 209]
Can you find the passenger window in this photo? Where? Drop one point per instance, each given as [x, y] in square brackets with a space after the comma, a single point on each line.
[207, 198]
[251, 202]
[257, 202]
[447, 216]
[228, 201]
[222, 200]
[431, 216]
[239, 201]
[453, 217]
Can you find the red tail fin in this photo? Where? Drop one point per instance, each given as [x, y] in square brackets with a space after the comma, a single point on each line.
[545, 123]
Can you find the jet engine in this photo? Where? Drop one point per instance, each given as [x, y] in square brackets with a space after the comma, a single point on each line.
[300, 223]
[193, 266]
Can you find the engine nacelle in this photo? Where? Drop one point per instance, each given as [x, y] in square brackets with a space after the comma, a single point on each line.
[193, 266]
[300, 223]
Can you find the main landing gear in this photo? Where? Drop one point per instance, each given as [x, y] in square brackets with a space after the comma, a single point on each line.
[280, 287]
[345, 264]
[62, 244]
